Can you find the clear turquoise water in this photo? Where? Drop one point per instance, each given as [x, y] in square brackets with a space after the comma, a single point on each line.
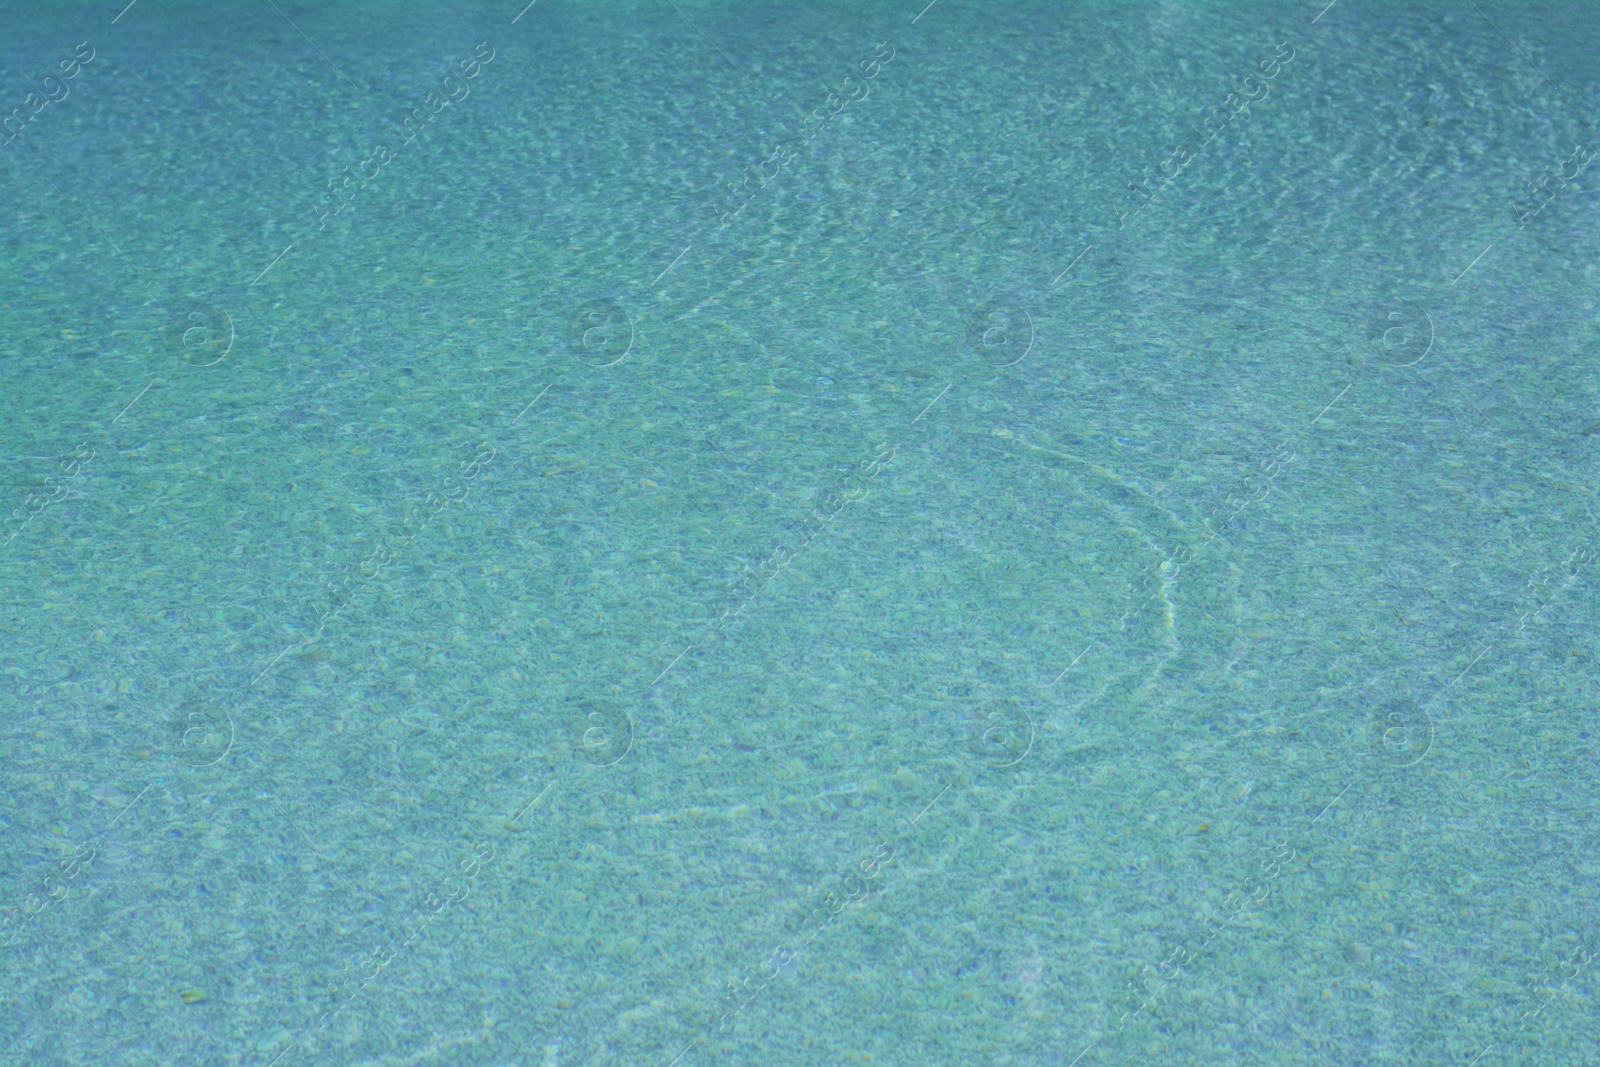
[945, 610]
